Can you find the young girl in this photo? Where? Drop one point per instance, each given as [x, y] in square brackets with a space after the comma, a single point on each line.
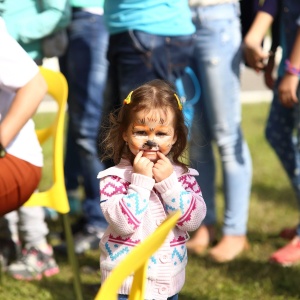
[146, 140]
[22, 88]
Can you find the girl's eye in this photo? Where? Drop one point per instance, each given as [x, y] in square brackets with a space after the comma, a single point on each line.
[140, 133]
[161, 134]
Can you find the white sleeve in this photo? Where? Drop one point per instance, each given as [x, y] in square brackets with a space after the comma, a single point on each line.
[16, 66]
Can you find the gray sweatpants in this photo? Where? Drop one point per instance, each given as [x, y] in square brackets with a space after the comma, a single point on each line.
[27, 224]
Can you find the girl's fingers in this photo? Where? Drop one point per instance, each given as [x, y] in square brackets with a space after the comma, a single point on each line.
[138, 157]
[162, 156]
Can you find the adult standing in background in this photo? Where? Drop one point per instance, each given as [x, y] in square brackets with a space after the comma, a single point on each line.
[85, 66]
[29, 21]
[217, 118]
[148, 39]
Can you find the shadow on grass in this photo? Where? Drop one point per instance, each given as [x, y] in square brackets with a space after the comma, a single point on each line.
[187, 296]
[280, 281]
[279, 195]
[251, 272]
[60, 290]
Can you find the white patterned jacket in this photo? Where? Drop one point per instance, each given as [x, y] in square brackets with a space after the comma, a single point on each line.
[134, 206]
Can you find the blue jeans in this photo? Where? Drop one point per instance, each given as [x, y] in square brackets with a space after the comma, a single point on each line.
[217, 117]
[280, 128]
[136, 57]
[125, 297]
[85, 67]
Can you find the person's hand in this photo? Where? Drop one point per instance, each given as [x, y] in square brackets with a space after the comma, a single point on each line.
[254, 56]
[162, 168]
[268, 74]
[252, 44]
[142, 165]
[287, 90]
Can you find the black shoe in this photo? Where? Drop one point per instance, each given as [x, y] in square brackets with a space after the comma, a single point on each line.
[9, 252]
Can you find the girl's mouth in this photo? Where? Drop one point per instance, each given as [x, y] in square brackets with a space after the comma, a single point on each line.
[149, 150]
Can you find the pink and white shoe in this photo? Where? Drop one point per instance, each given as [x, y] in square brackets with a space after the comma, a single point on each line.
[288, 255]
[33, 265]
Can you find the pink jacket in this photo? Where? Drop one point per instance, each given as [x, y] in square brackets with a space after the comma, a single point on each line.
[134, 206]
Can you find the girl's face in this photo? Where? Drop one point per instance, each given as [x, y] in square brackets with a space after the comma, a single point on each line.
[151, 131]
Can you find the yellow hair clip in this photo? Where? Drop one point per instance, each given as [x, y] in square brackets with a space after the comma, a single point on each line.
[128, 98]
[179, 102]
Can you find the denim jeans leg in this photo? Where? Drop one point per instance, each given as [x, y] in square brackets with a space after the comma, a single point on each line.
[86, 68]
[217, 62]
[279, 133]
[72, 170]
[202, 159]
[136, 57]
[283, 121]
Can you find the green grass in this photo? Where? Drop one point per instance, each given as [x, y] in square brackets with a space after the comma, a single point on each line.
[272, 207]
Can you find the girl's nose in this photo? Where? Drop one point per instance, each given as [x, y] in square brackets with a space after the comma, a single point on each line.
[151, 144]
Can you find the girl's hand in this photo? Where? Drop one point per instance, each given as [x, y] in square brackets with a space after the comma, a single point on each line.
[162, 168]
[287, 90]
[142, 165]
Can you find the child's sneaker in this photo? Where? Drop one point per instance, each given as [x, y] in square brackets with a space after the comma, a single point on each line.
[33, 265]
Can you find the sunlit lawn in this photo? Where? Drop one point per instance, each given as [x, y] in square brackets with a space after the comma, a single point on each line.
[273, 206]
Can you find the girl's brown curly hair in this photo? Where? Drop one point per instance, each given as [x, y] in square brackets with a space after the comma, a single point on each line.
[151, 95]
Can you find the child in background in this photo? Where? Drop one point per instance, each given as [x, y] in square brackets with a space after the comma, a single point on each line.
[22, 88]
[29, 22]
[146, 140]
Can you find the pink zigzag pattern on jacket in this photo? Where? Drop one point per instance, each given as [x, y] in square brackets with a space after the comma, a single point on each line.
[178, 241]
[126, 212]
[187, 216]
[124, 241]
[190, 183]
[115, 186]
